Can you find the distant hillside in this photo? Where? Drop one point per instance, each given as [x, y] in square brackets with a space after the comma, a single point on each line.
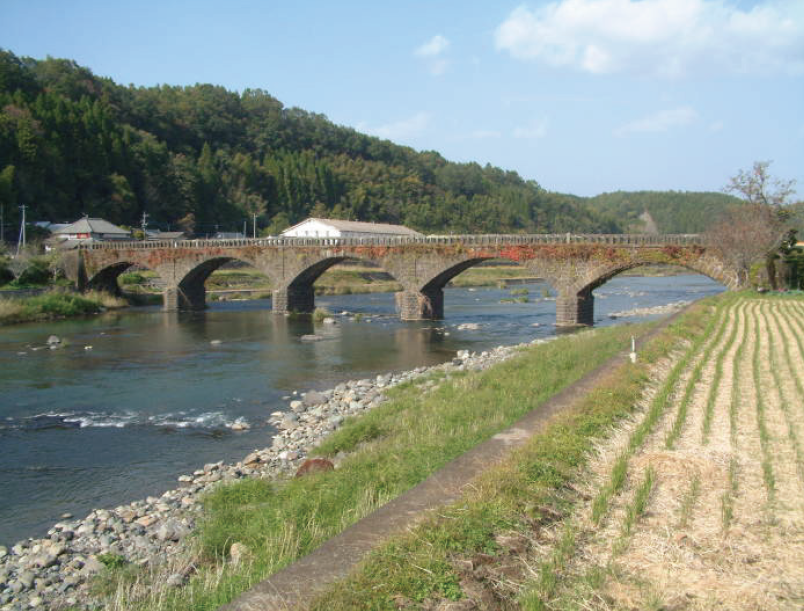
[204, 158]
[670, 211]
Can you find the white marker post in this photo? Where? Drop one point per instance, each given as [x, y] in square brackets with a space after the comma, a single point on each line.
[633, 350]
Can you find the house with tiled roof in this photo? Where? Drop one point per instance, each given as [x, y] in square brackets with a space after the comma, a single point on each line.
[91, 230]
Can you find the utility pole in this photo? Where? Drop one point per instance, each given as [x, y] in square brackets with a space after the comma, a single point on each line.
[254, 227]
[21, 239]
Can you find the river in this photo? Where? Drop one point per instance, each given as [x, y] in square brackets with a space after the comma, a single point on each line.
[136, 397]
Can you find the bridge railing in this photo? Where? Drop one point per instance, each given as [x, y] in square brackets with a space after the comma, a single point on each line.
[616, 239]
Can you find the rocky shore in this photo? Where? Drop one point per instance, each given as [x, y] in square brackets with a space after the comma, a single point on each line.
[54, 572]
[661, 310]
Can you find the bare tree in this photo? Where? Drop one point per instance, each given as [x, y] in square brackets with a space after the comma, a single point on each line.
[754, 231]
[756, 186]
[745, 235]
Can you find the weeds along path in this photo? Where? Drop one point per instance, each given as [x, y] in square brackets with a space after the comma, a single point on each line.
[708, 512]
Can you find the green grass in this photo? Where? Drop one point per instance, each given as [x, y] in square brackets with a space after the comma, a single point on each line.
[635, 510]
[493, 275]
[53, 305]
[320, 314]
[392, 448]
[688, 502]
[727, 498]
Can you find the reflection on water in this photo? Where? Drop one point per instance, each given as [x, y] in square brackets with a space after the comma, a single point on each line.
[155, 397]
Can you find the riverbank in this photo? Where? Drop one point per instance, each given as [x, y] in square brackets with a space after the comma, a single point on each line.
[56, 304]
[57, 568]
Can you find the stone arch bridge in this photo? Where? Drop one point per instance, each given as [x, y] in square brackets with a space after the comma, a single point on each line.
[574, 265]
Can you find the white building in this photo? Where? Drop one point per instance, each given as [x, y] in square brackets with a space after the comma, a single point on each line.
[334, 228]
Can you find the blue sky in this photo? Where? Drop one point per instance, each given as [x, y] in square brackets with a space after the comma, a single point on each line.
[583, 96]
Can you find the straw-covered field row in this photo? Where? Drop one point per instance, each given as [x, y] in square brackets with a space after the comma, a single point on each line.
[706, 510]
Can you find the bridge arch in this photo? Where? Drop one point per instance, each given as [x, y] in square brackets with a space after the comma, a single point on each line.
[297, 292]
[106, 278]
[190, 292]
[425, 300]
[575, 302]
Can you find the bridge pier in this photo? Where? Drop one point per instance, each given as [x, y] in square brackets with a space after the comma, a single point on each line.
[424, 305]
[575, 309]
[293, 299]
[178, 298]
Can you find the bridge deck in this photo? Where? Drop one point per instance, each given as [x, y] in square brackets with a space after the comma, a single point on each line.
[619, 239]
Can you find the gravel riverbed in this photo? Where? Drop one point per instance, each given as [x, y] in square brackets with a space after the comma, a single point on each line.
[54, 572]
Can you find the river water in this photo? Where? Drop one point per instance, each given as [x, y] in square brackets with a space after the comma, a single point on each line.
[137, 397]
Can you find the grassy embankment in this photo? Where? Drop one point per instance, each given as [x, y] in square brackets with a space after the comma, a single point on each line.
[388, 450]
[56, 304]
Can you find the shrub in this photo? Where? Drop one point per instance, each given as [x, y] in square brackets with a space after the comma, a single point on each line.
[37, 273]
[320, 314]
[132, 278]
[60, 304]
[112, 561]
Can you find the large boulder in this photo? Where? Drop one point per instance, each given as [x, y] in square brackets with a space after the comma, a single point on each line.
[313, 398]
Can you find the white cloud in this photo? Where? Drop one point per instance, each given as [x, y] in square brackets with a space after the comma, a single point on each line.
[716, 126]
[402, 129]
[664, 37]
[661, 121]
[432, 52]
[433, 47]
[533, 130]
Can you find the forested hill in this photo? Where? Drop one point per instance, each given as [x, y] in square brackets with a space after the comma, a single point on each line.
[203, 158]
[670, 211]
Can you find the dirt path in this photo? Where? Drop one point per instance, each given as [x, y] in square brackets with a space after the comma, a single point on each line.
[712, 512]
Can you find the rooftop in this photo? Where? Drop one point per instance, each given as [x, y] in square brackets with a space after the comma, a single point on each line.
[361, 227]
[88, 225]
